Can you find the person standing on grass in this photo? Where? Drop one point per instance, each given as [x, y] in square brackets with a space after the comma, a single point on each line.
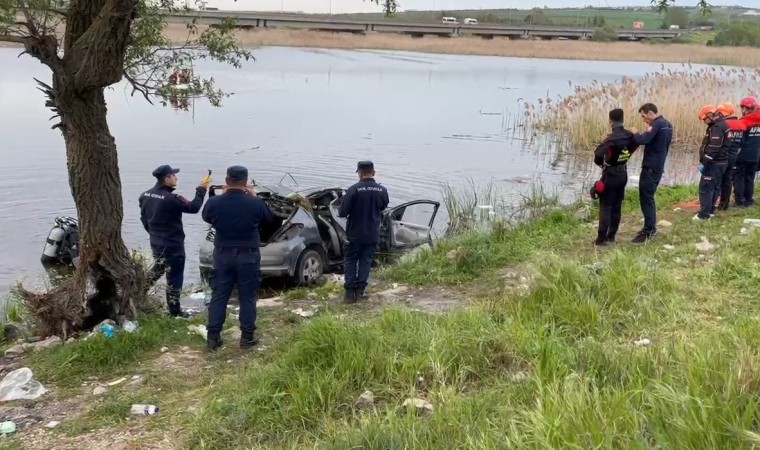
[236, 216]
[363, 205]
[713, 159]
[737, 130]
[747, 160]
[612, 156]
[161, 215]
[656, 141]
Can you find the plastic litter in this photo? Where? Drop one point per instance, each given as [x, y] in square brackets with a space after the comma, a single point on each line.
[198, 329]
[107, 330]
[129, 326]
[7, 427]
[20, 385]
[144, 410]
[753, 222]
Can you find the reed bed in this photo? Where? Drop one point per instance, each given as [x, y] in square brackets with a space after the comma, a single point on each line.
[572, 50]
[579, 121]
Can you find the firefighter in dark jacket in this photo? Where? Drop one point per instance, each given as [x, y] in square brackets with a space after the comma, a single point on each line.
[713, 160]
[747, 161]
[736, 128]
[161, 214]
[612, 156]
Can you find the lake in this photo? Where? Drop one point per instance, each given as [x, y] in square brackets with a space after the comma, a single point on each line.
[423, 119]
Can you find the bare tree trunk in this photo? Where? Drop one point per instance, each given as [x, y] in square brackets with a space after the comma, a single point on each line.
[96, 187]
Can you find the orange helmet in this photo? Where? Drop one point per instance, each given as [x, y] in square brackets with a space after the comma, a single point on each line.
[726, 109]
[707, 110]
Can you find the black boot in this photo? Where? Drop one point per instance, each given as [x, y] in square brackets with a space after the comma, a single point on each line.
[214, 341]
[248, 340]
[360, 296]
[172, 303]
[600, 241]
[350, 296]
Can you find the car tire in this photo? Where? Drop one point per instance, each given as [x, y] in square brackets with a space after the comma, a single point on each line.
[310, 268]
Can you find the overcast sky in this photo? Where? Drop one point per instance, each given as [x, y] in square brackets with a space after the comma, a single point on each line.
[343, 6]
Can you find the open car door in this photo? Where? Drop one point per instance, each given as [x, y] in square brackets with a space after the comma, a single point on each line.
[409, 225]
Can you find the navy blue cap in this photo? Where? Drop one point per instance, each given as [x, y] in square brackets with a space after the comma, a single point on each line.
[237, 173]
[365, 165]
[164, 171]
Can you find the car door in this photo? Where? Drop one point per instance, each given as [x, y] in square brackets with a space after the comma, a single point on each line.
[409, 225]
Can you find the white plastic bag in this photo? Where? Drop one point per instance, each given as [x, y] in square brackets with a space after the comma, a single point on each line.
[20, 385]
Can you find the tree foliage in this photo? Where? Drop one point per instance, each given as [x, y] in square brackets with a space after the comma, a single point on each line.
[738, 35]
[664, 5]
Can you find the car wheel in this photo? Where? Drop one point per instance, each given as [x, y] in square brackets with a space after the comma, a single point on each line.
[310, 267]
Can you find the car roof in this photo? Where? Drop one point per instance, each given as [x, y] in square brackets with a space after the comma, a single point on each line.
[285, 190]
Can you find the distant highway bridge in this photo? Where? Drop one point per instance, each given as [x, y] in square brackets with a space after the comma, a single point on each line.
[249, 20]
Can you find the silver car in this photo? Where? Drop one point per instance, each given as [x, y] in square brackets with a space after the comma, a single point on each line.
[307, 238]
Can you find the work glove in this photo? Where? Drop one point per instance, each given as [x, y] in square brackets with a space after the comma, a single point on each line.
[206, 181]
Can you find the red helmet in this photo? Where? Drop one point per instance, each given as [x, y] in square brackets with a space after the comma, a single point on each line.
[749, 103]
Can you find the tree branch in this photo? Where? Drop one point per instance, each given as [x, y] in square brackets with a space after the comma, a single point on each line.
[99, 52]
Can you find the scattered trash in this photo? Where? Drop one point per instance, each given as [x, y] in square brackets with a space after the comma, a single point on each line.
[366, 399]
[20, 385]
[129, 326]
[52, 424]
[164, 349]
[669, 247]
[704, 246]
[7, 427]
[117, 382]
[198, 296]
[99, 390]
[743, 231]
[420, 405]
[753, 222]
[302, 313]
[664, 224]
[676, 209]
[144, 410]
[518, 377]
[107, 329]
[198, 329]
[642, 342]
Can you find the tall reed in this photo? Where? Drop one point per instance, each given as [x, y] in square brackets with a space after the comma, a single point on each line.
[579, 121]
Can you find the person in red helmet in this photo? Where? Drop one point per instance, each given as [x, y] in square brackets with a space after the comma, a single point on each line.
[747, 160]
[736, 133]
[713, 160]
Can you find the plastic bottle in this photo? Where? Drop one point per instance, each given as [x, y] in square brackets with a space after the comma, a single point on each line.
[144, 410]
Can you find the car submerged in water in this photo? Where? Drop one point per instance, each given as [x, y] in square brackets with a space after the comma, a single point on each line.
[306, 239]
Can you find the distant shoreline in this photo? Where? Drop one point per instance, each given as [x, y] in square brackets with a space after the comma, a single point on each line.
[561, 50]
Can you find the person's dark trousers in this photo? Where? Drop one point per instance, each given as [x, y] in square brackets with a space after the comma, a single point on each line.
[169, 260]
[709, 188]
[358, 262]
[744, 183]
[234, 266]
[727, 185]
[649, 180]
[720, 169]
[611, 203]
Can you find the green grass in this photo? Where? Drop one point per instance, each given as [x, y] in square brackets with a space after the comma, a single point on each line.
[551, 366]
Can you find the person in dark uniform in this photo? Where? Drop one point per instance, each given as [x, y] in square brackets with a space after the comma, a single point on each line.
[612, 156]
[161, 215]
[363, 205]
[236, 216]
[713, 160]
[737, 137]
[656, 141]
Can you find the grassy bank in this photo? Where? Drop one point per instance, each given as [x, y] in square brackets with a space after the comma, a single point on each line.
[579, 121]
[539, 352]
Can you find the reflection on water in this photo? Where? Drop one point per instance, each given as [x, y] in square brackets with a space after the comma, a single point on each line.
[423, 119]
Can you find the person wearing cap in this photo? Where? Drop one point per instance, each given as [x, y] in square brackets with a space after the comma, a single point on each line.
[747, 160]
[713, 159]
[161, 215]
[612, 156]
[736, 133]
[363, 205]
[236, 216]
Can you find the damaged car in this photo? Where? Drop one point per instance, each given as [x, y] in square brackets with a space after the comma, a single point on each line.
[306, 240]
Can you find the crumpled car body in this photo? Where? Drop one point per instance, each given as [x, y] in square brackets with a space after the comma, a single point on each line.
[307, 238]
